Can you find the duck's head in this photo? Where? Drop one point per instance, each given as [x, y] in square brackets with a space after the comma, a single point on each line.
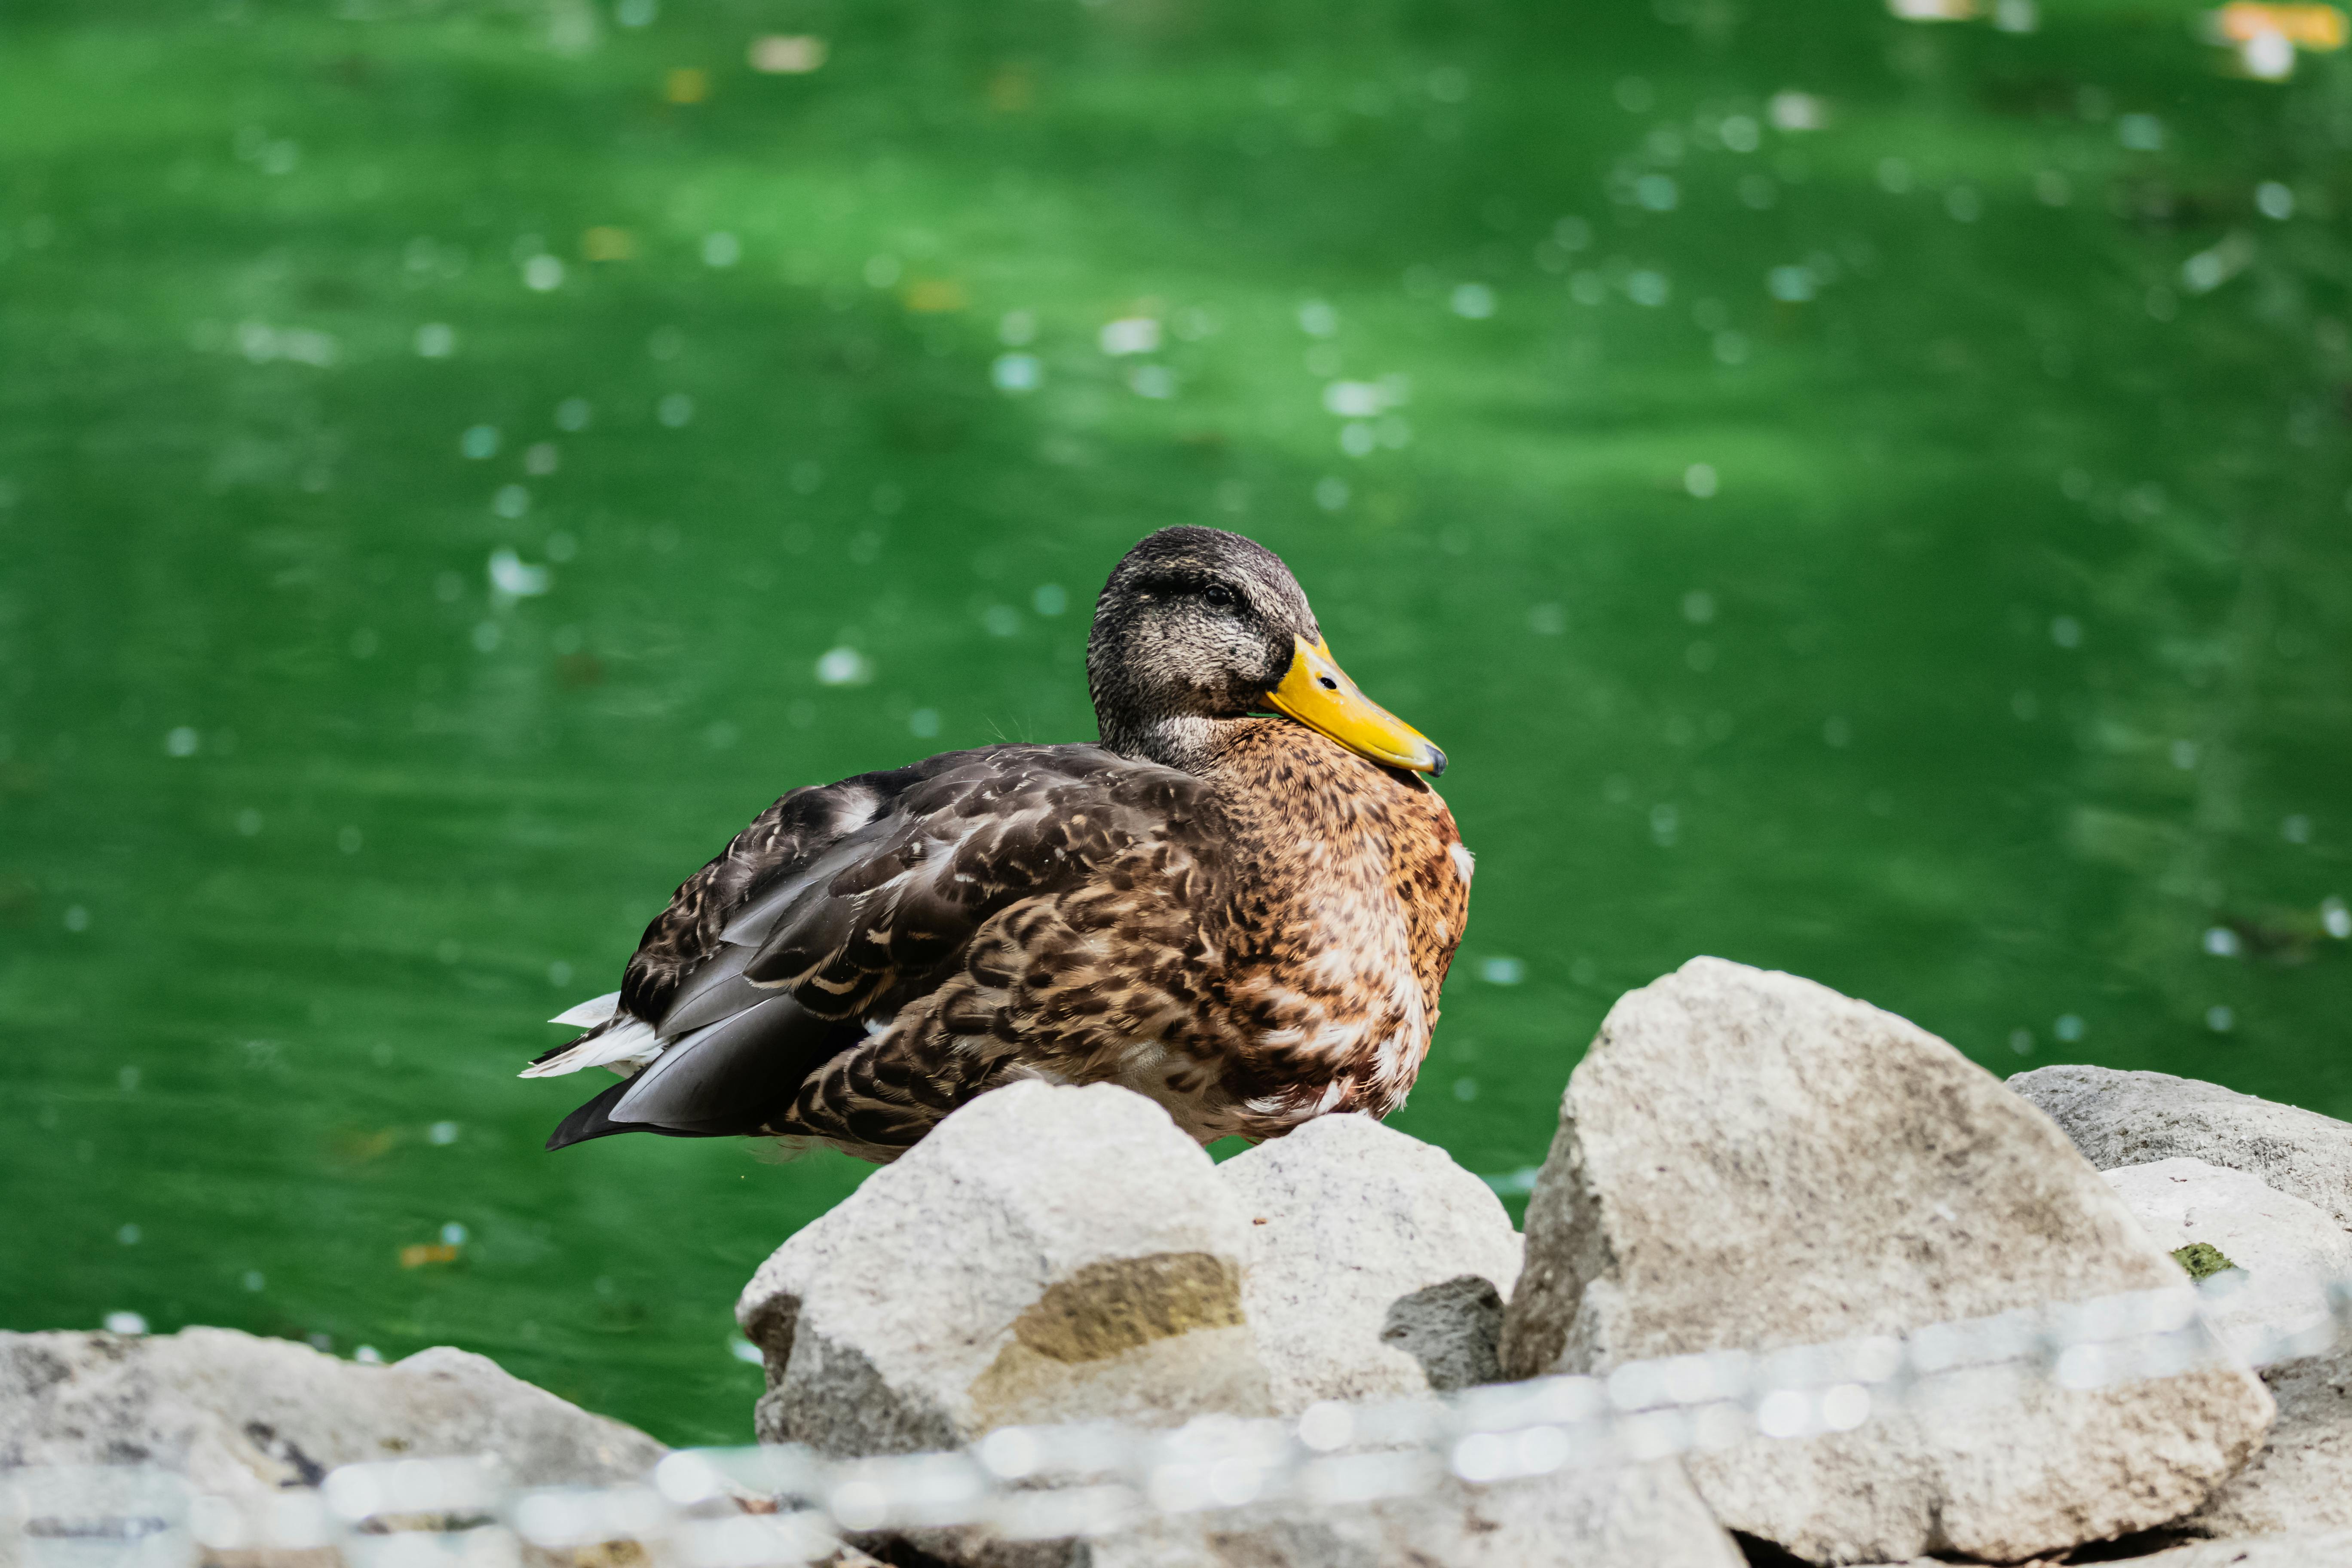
[1196, 630]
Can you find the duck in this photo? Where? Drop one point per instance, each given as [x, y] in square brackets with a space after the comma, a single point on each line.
[1241, 902]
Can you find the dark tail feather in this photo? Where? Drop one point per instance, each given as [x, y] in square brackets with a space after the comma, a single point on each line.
[726, 1079]
[594, 1120]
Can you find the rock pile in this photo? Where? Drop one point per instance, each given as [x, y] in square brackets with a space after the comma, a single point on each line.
[1745, 1161]
[1064, 1254]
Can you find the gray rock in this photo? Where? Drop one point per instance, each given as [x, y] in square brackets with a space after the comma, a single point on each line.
[2284, 1250]
[1748, 1159]
[1452, 1331]
[1639, 1516]
[2133, 1118]
[1376, 1267]
[2301, 1480]
[243, 1416]
[2328, 1549]
[1048, 1253]
[2320, 1550]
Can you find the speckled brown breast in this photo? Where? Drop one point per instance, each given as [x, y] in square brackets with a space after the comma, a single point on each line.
[1358, 886]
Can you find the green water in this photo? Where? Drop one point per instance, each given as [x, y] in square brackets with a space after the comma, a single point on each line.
[2008, 659]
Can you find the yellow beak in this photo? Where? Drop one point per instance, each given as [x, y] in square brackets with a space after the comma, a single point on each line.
[1317, 693]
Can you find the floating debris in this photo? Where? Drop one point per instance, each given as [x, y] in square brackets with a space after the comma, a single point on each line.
[936, 296]
[1472, 301]
[1016, 372]
[1502, 971]
[1129, 335]
[606, 243]
[2209, 270]
[788, 54]
[1797, 111]
[2264, 38]
[843, 666]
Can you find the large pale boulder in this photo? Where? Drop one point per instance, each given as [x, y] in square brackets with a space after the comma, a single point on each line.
[1751, 1160]
[1047, 1253]
[1632, 1516]
[1377, 1267]
[2134, 1118]
[244, 1416]
[2284, 1252]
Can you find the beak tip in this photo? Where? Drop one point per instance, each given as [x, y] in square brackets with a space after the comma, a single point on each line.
[1436, 762]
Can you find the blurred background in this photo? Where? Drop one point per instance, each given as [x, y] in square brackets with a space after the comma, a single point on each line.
[1856, 491]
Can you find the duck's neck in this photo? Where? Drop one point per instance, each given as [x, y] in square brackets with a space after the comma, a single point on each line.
[1190, 742]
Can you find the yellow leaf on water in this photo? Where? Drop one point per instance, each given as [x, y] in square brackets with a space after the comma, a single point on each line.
[607, 244]
[934, 295]
[2319, 28]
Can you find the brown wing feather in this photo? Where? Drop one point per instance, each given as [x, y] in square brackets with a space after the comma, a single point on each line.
[1003, 825]
[779, 840]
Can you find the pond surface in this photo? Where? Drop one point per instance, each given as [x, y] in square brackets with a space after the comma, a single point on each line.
[1856, 497]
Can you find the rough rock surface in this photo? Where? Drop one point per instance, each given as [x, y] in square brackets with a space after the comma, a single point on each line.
[241, 1415]
[1376, 1267]
[1748, 1159]
[2286, 1249]
[1641, 1516]
[1048, 1253]
[2133, 1118]
[2327, 1549]
[2301, 1480]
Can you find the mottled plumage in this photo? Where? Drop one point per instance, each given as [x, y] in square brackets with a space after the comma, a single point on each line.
[1237, 915]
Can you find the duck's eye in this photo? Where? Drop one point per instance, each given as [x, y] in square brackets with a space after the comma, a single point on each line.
[1218, 594]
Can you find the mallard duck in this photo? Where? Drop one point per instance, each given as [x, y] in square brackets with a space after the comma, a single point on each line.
[1247, 918]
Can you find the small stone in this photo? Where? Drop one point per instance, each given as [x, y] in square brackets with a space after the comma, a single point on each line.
[1451, 1330]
